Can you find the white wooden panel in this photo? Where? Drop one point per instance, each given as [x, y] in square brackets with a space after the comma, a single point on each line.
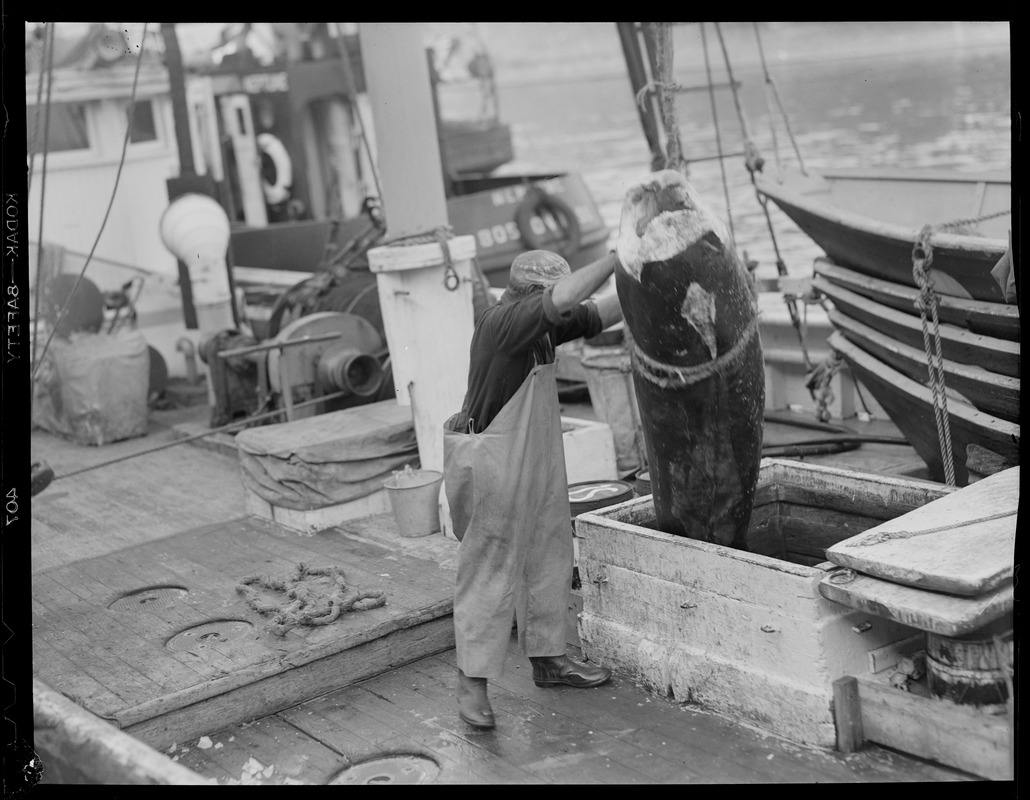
[397, 74]
[962, 543]
[428, 330]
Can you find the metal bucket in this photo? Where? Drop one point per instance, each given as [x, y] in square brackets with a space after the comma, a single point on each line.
[414, 496]
[610, 383]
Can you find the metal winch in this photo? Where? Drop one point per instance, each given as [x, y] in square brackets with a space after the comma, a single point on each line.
[337, 356]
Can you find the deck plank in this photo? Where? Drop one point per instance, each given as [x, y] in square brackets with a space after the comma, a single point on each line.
[132, 501]
[125, 634]
[97, 664]
[252, 547]
[707, 761]
[121, 571]
[349, 731]
[150, 678]
[81, 687]
[717, 748]
[441, 740]
[558, 747]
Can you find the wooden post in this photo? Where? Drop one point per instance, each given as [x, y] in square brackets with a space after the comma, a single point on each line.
[428, 326]
[847, 713]
[411, 175]
[638, 80]
[425, 293]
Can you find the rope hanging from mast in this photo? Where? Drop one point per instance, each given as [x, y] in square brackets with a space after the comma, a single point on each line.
[660, 34]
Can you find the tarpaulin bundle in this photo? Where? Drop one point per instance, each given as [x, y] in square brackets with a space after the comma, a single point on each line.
[329, 458]
[93, 387]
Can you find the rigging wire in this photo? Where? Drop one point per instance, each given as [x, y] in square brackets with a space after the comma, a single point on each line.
[222, 429]
[49, 70]
[768, 107]
[110, 205]
[754, 162]
[718, 135]
[45, 59]
[770, 83]
[341, 47]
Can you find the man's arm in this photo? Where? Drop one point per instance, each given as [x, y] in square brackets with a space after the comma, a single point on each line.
[573, 289]
[609, 309]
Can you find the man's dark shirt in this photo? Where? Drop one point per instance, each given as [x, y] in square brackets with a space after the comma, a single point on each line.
[510, 339]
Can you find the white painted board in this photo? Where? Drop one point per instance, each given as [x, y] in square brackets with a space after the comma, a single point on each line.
[936, 612]
[962, 543]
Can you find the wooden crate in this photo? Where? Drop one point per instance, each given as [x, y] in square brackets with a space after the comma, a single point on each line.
[747, 634]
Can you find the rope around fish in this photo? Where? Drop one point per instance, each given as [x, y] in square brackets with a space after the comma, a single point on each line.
[307, 605]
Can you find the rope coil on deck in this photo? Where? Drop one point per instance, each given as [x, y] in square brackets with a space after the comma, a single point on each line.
[308, 603]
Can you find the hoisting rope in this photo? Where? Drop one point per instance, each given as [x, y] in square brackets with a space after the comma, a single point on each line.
[306, 604]
[922, 258]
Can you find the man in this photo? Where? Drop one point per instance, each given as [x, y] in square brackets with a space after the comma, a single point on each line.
[504, 468]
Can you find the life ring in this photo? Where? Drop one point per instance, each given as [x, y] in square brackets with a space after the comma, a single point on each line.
[537, 202]
[279, 191]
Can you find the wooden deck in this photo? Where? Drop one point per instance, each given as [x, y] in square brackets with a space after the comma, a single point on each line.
[615, 734]
[372, 683]
[106, 628]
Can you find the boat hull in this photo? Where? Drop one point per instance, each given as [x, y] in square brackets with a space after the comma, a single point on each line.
[883, 248]
[959, 345]
[910, 407]
[486, 208]
[990, 319]
[995, 394]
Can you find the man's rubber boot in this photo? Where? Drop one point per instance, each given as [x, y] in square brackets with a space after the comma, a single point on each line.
[473, 705]
[562, 670]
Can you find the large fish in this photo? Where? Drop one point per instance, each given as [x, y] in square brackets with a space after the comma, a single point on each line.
[691, 311]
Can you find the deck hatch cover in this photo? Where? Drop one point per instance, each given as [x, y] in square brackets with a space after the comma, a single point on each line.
[148, 598]
[398, 769]
[209, 633]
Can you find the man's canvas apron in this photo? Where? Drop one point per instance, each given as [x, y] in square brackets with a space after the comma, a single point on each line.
[509, 501]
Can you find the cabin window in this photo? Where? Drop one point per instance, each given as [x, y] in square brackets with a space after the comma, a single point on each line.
[66, 129]
[144, 127]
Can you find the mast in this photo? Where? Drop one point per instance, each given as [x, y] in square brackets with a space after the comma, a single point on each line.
[639, 80]
[188, 181]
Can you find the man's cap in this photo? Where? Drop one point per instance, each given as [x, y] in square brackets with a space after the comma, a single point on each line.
[539, 267]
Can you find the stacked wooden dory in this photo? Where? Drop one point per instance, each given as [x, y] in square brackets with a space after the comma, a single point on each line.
[868, 222]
